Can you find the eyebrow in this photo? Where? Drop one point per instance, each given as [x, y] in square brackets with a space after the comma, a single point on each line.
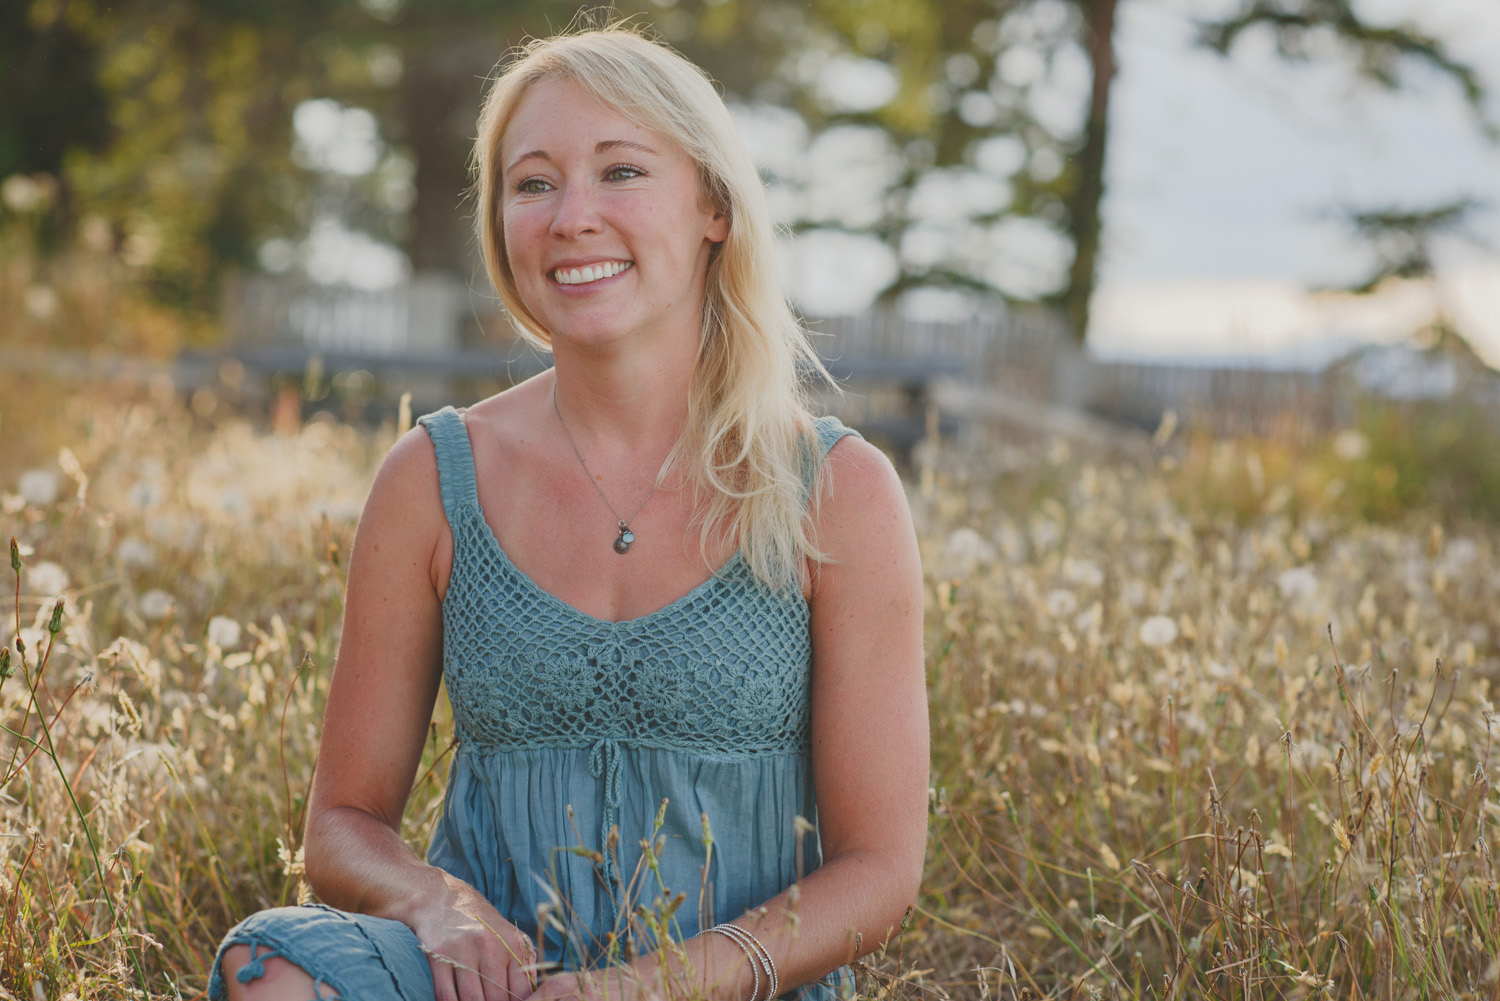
[599, 147]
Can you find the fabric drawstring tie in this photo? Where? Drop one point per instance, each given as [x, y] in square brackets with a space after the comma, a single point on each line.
[256, 968]
[604, 763]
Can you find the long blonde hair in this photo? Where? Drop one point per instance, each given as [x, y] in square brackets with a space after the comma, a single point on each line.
[748, 440]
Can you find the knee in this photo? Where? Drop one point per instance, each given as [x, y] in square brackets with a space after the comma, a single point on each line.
[252, 977]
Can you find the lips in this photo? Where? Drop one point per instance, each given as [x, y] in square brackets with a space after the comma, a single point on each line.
[589, 272]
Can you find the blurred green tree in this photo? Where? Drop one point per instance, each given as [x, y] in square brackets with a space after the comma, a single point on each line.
[1014, 94]
[173, 119]
[53, 105]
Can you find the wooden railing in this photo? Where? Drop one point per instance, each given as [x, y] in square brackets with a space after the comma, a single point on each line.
[437, 329]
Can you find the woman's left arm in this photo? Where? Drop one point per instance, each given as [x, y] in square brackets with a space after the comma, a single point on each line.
[869, 755]
[869, 720]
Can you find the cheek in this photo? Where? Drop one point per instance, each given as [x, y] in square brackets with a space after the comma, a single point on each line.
[518, 237]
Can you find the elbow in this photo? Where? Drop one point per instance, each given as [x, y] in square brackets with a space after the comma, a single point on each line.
[905, 888]
[893, 882]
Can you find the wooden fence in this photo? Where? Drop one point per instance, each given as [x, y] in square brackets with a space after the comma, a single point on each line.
[434, 328]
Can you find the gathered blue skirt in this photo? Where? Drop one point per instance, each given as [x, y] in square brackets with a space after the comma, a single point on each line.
[362, 958]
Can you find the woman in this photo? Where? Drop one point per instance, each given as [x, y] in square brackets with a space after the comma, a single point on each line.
[679, 620]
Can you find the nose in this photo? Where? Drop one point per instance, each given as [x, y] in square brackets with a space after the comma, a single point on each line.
[576, 212]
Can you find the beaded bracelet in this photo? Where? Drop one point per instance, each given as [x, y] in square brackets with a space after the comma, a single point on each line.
[751, 957]
[748, 941]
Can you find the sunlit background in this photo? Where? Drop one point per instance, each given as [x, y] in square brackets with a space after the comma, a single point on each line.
[1178, 319]
[932, 158]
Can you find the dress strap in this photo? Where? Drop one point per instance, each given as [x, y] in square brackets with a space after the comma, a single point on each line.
[455, 459]
[829, 431]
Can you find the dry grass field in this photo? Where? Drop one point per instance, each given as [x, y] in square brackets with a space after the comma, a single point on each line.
[1200, 729]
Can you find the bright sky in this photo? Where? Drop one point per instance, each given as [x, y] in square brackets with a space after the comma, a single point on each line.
[1220, 172]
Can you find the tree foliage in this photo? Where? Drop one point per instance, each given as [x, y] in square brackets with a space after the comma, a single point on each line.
[980, 127]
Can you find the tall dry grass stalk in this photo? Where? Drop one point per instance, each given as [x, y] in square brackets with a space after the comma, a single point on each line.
[1157, 771]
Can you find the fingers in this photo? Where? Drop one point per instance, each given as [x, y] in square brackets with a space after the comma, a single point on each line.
[456, 981]
[520, 975]
[504, 978]
[443, 987]
[471, 987]
[501, 972]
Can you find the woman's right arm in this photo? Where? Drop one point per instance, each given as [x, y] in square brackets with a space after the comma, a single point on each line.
[385, 682]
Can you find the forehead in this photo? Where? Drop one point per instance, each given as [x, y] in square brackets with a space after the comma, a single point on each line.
[555, 114]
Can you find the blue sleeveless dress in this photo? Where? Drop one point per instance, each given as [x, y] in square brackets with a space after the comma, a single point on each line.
[602, 767]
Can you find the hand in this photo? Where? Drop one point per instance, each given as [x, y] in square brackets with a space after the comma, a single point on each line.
[617, 983]
[475, 954]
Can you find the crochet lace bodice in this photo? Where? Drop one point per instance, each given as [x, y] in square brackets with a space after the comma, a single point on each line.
[571, 727]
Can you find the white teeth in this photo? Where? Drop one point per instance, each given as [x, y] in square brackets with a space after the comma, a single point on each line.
[592, 273]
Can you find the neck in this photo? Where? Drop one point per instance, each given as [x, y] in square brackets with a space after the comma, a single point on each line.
[635, 401]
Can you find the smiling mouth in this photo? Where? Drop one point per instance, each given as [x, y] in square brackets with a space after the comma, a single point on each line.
[592, 273]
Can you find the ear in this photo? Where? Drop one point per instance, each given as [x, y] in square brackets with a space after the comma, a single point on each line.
[718, 228]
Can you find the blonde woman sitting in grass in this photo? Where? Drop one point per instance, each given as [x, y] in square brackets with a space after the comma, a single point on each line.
[679, 619]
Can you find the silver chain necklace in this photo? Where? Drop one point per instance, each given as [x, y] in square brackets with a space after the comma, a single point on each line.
[626, 536]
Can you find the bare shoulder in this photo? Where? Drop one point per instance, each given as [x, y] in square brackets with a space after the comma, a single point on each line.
[408, 476]
[403, 523]
[862, 523]
[858, 489]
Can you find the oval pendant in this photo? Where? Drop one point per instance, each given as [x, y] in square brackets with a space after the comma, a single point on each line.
[622, 544]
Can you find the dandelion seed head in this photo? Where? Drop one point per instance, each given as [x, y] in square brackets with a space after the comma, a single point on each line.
[39, 487]
[46, 579]
[135, 553]
[967, 547]
[1089, 619]
[1045, 533]
[232, 501]
[1083, 572]
[146, 494]
[1351, 445]
[1297, 584]
[224, 632]
[1158, 631]
[41, 301]
[1061, 603]
[156, 605]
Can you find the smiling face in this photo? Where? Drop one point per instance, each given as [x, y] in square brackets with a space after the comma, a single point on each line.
[606, 231]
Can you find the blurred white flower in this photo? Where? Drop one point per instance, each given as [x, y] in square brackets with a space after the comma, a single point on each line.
[146, 493]
[175, 529]
[133, 552]
[968, 547]
[1351, 445]
[1297, 584]
[22, 194]
[157, 604]
[1012, 543]
[40, 486]
[40, 301]
[46, 579]
[1158, 631]
[232, 500]
[1045, 533]
[1459, 555]
[1061, 603]
[35, 640]
[1085, 572]
[223, 632]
